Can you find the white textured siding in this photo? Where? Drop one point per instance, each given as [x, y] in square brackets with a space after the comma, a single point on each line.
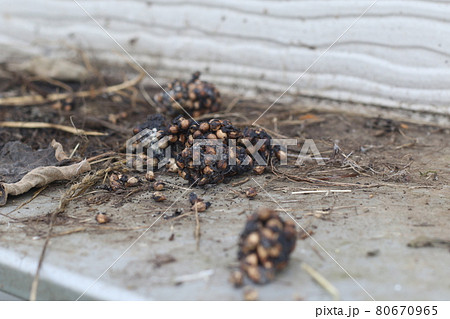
[397, 55]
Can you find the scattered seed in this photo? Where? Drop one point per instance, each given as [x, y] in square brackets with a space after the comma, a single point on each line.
[102, 218]
[132, 181]
[251, 193]
[158, 186]
[159, 197]
[237, 278]
[250, 294]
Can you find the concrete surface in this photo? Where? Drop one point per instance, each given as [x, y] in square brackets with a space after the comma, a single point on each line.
[366, 231]
[384, 222]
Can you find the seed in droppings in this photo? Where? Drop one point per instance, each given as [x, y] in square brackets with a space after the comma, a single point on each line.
[150, 176]
[132, 181]
[252, 259]
[253, 273]
[265, 245]
[172, 166]
[184, 124]
[220, 134]
[204, 127]
[258, 170]
[237, 278]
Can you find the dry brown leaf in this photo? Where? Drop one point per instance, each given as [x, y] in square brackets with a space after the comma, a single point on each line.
[41, 176]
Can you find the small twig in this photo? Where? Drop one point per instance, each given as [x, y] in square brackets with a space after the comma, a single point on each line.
[147, 97]
[74, 150]
[406, 145]
[182, 216]
[53, 82]
[321, 280]
[96, 229]
[35, 284]
[39, 99]
[197, 227]
[60, 127]
[97, 157]
[323, 191]
[204, 274]
[239, 183]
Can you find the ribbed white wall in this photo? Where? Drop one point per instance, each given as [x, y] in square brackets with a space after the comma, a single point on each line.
[397, 55]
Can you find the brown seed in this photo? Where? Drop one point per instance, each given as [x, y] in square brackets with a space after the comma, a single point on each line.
[101, 218]
[180, 164]
[132, 181]
[162, 144]
[172, 166]
[258, 170]
[251, 193]
[197, 134]
[265, 213]
[152, 162]
[254, 273]
[150, 176]
[214, 124]
[196, 113]
[211, 136]
[268, 264]
[114, 182]
[252, 241]
[201, 206]
[184, 124]
[158, 186]
[182, 174]
[237, 278]
[158, 197]
[281, 155]
[252, 260]
[204, 127]
[233, 134]
[262, 253]
[173, 129]
[203, 181]
[250, 294]
[192, 96]
[208, 170]
[210, 150]
[221, 135]
[275, 251]
[274, 223]
[222, 165]
[270, 235]
[173, 138]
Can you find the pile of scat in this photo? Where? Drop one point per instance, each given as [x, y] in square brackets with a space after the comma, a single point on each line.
[205, 152]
